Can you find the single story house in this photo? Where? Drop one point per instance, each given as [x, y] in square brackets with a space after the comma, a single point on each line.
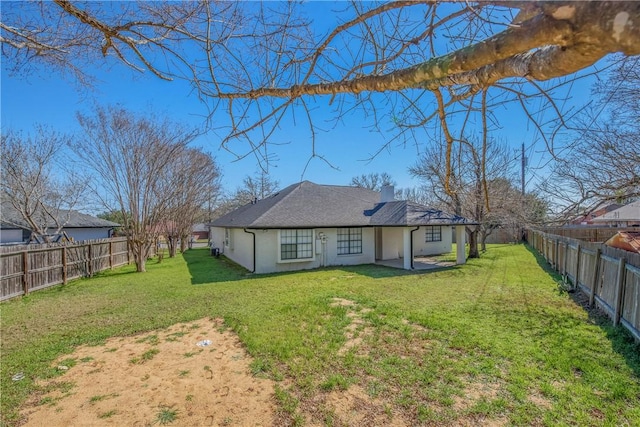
[587, 219]
[307, 225]
[200, 231]
[78, 226]
[625, 216]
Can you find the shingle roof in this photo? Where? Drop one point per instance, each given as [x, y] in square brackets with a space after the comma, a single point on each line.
[10, 218]
[629, 212]
[407, 213]
[310, 205]
[627, 240]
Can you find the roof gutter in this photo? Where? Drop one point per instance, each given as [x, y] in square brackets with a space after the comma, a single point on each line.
[254, 248]
[411, 244]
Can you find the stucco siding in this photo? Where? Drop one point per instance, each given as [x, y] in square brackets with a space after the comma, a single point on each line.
[421, 247]
[80, 234]
[267, 255]
[392, 243]
[325, 248]
[10, 235]
[216, 235]
[238, 248]
[325, 254]
[329, 251]
[77, 234]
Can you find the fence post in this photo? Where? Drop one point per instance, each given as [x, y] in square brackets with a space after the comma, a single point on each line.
[564, 260]
[110, 254]
[596, 277]
[25, 269]
[90, 269]
[64, 265]
[619, 291]
[577, 284]
[556, 255]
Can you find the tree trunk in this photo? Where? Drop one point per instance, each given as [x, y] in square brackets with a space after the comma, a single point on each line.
[141, 252]
[483, 240]
[172, 245]
[473, 243]
[139, 258]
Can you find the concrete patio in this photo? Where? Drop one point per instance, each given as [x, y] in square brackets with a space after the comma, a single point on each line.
[419, 263]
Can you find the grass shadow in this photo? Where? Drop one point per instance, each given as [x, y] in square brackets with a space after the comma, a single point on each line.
[205, 268]
[622, 342]
[542, 262]
[377, 271]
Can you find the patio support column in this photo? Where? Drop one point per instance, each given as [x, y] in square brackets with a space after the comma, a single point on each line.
[408, 250]
[460, 244]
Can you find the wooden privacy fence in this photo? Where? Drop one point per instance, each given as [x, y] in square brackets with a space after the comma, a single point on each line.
[610, 277]
[29, 268]
[588, 233]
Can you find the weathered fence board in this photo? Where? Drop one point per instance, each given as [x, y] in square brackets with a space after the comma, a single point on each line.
[610, 277]
[586, 233]
[28, 268]
[630, 315]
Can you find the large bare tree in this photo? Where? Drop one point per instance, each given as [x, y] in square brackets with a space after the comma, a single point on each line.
[256, 187]
[373, 181]
[426, 70]
[600, 163]
[480, 188]
[129, 156]
[192, 178]
[34, 183]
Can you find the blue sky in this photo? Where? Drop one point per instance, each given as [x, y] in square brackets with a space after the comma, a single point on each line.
[54, 101]
[48, 98]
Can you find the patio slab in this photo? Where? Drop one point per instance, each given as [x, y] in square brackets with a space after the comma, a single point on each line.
[419, 263]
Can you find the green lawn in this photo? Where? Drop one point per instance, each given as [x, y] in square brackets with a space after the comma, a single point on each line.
[492, 340]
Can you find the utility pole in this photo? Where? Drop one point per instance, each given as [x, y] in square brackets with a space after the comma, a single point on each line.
[524, 163]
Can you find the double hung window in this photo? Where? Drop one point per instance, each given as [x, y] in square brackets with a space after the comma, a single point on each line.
[349, 241]
[433, 233]
[296, 244]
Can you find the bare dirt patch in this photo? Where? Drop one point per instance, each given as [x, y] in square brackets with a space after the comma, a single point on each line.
[162, 377]
[357, 329]
[354, 407]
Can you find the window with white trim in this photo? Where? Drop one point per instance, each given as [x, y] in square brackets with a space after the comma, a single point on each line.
[349, 241]
[433, 233]
[296, 244]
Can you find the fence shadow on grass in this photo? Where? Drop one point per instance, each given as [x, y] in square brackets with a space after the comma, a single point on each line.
[542, 262]
[622, 342]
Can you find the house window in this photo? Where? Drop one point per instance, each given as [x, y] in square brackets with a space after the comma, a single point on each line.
[296, 244]
[227, 237]
[433, 233]
[349, 241]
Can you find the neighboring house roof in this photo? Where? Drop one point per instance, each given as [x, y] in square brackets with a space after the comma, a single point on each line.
[628, 212]
[200, 227]
[598, 212]
[627, 240]
[10, 218]
[309, 205]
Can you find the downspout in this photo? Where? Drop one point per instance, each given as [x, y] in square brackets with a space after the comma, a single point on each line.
[254, 249]
[411, 244]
